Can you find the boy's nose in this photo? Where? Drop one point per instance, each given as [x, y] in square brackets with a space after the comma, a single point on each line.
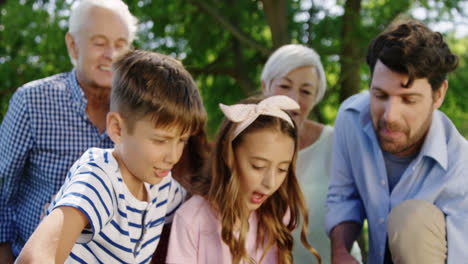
[173, 154]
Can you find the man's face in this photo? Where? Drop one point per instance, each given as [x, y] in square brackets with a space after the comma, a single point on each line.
[401, 116]
[101, 37]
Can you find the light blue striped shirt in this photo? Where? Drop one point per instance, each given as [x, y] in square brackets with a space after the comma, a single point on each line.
[122, 228]
[45, 130]
[358, 187]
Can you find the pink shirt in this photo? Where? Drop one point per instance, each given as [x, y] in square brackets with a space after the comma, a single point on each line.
[196, 236]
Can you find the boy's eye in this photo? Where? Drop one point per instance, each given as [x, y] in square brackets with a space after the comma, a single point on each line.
[284, 86]
[159, 141]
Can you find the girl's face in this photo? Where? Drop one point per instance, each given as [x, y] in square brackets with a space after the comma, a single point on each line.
[263, 160]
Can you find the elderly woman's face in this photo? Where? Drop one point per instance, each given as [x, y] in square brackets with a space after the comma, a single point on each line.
[301, 84]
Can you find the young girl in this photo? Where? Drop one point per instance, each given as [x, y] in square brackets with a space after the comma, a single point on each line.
[247, 200]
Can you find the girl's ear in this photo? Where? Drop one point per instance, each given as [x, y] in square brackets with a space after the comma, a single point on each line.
[114, 124]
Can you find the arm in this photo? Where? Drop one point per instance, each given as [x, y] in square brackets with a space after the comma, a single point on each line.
[342, 237]
[55, 237]
[15, 143]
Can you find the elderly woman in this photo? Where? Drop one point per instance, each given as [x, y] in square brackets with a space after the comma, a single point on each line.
[296, 71]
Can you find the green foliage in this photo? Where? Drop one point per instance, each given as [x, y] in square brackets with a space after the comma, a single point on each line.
[202, 33]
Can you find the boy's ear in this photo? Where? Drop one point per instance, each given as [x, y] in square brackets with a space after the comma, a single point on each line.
[114, 124]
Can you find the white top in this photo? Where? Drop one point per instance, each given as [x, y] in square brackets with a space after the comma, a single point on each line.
[196, 237]
[313, 172]
[122, 228]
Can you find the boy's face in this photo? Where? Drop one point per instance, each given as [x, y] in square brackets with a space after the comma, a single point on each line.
[263, 159]
[149, 153]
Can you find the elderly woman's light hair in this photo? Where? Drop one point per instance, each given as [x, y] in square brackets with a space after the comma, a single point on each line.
[80, 11]
[290, 57]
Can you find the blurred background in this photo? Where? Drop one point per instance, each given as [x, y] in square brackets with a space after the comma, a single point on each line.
[224, 43]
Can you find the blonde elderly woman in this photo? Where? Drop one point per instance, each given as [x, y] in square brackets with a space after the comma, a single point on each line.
[296, 71]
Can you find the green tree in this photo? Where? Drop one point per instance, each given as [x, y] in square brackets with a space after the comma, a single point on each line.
[223, 43]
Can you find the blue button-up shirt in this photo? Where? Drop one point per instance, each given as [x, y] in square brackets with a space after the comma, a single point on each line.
[44, 131]
[358, 187]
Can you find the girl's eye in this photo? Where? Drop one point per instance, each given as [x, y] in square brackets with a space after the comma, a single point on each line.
[283, 170]
[284, 86]
[257, 167]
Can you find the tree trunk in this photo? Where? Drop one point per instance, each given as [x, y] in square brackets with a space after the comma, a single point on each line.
[350, 53]
[277, 16]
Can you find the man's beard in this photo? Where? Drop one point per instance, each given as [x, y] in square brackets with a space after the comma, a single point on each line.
[396, 146]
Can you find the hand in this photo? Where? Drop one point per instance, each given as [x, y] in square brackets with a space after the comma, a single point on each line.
[6, 255]
[343, 257]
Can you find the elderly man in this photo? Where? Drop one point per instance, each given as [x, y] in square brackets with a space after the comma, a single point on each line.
[398, 161]
[52, 121]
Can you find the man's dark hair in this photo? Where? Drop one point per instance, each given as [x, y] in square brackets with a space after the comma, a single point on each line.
[412, 48]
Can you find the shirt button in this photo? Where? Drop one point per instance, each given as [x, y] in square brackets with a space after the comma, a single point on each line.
[383, 182]
[381, 220]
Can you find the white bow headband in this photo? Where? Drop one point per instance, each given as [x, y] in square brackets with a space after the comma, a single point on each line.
[245, 114]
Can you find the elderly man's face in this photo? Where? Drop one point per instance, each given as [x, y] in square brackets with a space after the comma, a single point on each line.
[101, 37]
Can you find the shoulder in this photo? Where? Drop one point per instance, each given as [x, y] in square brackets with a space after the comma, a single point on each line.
[38, 94]
[57, 81]
[354, 114]
[357, 103]
[195, 208]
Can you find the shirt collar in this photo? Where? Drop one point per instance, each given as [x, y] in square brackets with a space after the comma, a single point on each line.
[435, 143]
[78, 97]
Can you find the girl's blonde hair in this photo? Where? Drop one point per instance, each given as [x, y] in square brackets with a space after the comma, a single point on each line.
[220, 185]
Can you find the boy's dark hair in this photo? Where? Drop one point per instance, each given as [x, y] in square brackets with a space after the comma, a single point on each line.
[148, 83]
[412, 48]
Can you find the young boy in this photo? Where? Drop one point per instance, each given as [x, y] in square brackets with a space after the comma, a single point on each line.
[114, 202]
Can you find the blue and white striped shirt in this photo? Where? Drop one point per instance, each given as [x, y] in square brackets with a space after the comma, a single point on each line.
[122, 228]
[45, 130]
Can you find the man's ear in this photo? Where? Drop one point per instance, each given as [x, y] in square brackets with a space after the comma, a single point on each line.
[439, 95]
[71, 46]
[114, 124]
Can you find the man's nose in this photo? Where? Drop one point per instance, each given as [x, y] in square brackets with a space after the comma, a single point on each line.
[391, 110]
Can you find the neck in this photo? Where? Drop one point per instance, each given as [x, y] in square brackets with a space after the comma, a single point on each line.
[135, 186]
[309, 132]
[98, 105]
